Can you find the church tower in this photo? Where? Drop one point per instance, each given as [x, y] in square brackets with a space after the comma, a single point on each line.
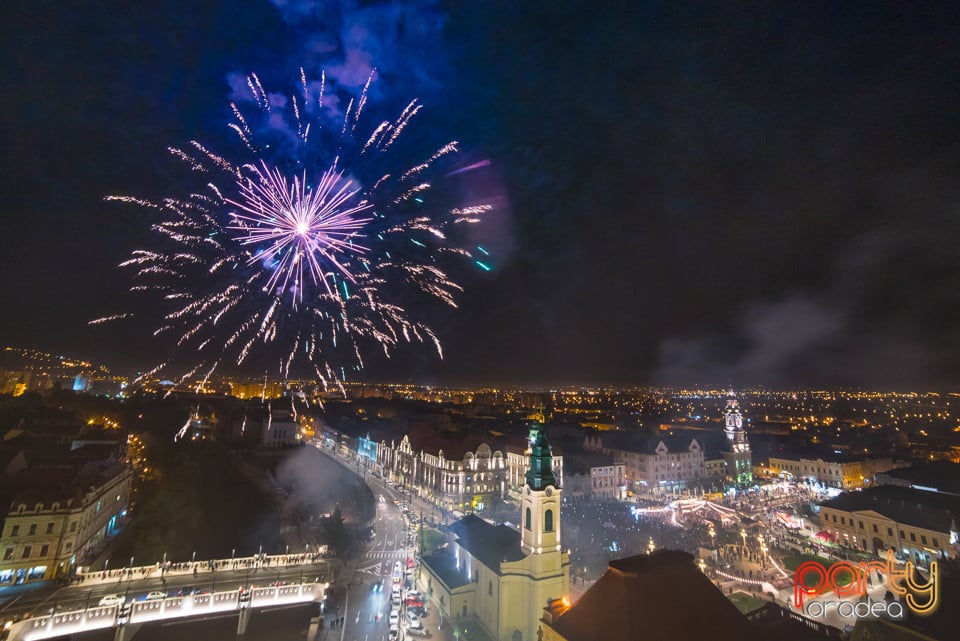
[736, 435]
[737, 453]
[540, 506]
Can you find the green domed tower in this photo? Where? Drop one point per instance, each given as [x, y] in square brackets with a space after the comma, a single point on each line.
[540, 474]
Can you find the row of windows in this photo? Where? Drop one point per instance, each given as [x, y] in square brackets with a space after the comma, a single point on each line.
[15, 529]
[27, 550]
[913, 535]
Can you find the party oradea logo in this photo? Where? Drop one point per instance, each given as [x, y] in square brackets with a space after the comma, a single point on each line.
[847, 579]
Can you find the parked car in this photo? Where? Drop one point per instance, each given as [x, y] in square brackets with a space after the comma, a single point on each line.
[394, 632]
[394, 618]
[111, 599]
[156, 594]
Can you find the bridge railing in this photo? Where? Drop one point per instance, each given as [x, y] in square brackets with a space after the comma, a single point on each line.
[209, 566]
[97, 618]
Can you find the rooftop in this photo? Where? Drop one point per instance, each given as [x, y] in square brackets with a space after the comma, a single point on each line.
[489, 544]
[652, 597]
[927, 510]
[444, 566]
[582, 463]
[939, 476]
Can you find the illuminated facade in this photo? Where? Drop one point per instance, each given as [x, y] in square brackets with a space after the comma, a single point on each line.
[501, 578]
[918, 525]
[594, 476]
[281, 430]
[469, 482]
[737, 451]
[46, 534]
[843, 472]
[665, 464]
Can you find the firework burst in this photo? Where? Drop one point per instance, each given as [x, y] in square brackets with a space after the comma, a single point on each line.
[304, 248]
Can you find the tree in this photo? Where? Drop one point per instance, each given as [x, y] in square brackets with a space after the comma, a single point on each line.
[336, 533]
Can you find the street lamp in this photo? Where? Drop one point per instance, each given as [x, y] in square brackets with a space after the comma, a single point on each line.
[651, 546]
[743, 535]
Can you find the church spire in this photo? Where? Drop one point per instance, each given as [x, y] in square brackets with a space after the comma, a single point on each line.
[540, 472]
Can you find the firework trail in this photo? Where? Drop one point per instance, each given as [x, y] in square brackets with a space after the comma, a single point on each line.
[312, 245]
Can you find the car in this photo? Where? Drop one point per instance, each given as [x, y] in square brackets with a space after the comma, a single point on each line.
[413, 602]
[394, 632]
[394, 618]
[413, 619]
[156, 594]
[396, 598]
[378, 585]
[417, 632]
[111, 599]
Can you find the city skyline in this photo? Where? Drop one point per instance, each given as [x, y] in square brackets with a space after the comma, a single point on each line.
[682, 195]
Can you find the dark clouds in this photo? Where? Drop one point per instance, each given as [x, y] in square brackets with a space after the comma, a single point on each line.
[691, 191]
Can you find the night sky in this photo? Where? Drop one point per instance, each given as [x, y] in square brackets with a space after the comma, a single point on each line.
[746, 193]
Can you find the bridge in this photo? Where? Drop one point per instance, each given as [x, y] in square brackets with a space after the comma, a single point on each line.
[128, 617]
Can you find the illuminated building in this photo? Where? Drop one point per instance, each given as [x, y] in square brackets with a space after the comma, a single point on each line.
[281, 429]
[462, 478]
[739, 469]
[838, 470]
[664, 464]
[49, 530]
[919, 526]
[499, 577]
[593, 476]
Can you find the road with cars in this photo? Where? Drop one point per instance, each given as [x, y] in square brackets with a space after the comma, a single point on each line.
[375, 597]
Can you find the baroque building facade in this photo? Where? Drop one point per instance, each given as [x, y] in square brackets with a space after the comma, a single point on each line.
[500, 577]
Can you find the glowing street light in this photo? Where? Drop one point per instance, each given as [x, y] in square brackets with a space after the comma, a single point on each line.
[651, 546]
